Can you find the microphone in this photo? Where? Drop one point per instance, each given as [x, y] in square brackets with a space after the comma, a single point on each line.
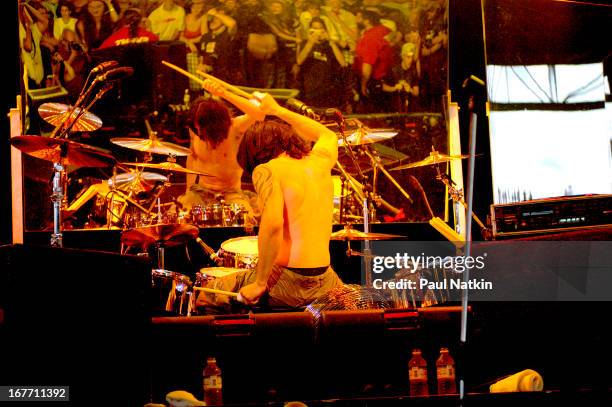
[103, 67]
[115, 74]
[314, 113]
[211, 253]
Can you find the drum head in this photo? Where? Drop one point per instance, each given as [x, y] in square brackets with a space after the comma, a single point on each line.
[241, 245]
[219, 272]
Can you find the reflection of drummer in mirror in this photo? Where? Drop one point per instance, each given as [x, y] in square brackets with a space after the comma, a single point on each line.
[295, 193]
[215, 138]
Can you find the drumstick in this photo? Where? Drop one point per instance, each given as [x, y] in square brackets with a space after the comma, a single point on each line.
[226, 85]
[215, 291]
[184, 72]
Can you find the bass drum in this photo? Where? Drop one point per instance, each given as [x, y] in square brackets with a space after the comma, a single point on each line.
[239, 252]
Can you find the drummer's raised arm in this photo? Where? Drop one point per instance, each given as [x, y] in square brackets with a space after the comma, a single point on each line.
[249, 106]
[326, 141]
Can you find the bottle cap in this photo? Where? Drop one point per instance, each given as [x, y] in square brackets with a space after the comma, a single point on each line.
[211, 360]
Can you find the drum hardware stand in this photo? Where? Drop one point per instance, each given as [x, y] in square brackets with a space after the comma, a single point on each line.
[364, 197]
[128, 200]
[157, 195]
[377, 166]
[57, 198]
[59, 184]
[456, 195]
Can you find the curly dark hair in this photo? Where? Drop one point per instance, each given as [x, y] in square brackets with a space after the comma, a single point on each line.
[210, 120]
[266, 140]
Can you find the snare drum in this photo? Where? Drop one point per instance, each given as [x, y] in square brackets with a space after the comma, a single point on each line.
[170, 293]
[209, 277]
[208, 274]
[239, 252]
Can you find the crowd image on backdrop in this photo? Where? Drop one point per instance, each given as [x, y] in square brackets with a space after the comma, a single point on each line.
[359, 56]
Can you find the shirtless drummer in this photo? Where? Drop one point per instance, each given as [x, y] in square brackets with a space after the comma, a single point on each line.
[295, 195]
[214, 141]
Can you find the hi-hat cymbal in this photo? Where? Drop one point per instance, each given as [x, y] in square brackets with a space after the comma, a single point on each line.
[433, 158]
[151, 145]
[137, 180]
[62, 151]
[168, 234]
[365, 135]
[57, 113]
[348, 233]
[167, 166]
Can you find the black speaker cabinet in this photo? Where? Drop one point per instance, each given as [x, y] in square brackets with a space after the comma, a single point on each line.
[75, 318]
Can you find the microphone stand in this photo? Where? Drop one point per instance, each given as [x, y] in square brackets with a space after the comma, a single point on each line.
[98, 96]
[469, 213]
[85, 91]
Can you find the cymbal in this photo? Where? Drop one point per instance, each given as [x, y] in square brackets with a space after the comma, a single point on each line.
[61, 150]
[57, 113]
[151, 145]
[433, 158]
[137, 180]
[348, 233]
[366, 136]
[168, 166]
[168, 234]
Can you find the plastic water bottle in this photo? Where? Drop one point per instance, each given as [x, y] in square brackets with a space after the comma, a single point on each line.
[417, 374]
[445, 373]
[213, 383]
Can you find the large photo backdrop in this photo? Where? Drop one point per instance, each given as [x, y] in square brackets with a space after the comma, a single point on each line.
[312, 51]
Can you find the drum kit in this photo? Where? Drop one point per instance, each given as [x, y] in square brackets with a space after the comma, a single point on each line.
[131, 199]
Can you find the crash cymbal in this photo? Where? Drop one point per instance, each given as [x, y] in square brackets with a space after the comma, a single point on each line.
[151, 145]
[61, 150]
[348, 233]
[365, 135]
[168, 234]
[137, 180]
[57, 113]
[167, 166]
[434, 158]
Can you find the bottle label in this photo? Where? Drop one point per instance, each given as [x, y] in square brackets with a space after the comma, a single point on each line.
[213, 382]
[446, 371]
[417, 373]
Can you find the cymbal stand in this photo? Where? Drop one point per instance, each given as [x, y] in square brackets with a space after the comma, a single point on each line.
[363, 198]
[57, 197]
[377, 166]
[157, 195]
[456, 195]
[358, 189]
